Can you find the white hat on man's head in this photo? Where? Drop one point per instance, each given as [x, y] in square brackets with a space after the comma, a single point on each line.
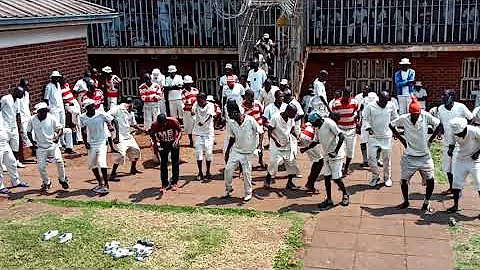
[266, 35]
[107, 69]
[418, 83]
[172, 69]
[283, 81]
[228, 66]
[405, 61]
[458, 124]
[187, 79]
[156, 71]
[41, 105]
[55, 73]
[210, 98]
[88, 102]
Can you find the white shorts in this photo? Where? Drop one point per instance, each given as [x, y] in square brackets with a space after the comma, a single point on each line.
[349, 143]
[279, 155]
[461, 170]
[410, 165]
[332, 167]
[204, 143]
[126, 148]
[315, 154]
[447, 160]
[14, 139]
[188, 122]
[176, 108]
[97, 156]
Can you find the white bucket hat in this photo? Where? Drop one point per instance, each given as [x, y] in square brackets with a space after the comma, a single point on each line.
[107, 69]
[458, 124]
[266, 35]
[405, 61]
[55, 73]
[228, 66]
[156, 71]
[41, 105]
[210, 98]
[284, 81]
[88, 102]
[187, 79]
[418, 83]
[172, 69]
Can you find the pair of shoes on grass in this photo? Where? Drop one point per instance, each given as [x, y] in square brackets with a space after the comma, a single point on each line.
[61, 239]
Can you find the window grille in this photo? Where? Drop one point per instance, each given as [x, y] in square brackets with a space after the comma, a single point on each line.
[470, 78]
[130, 77]
[376, 73]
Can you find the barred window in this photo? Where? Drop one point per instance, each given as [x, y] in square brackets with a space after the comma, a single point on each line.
[376, 73]
[470, 78]
[130, 78]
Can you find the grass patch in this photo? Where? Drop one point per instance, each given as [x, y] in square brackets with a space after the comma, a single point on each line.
[467, 246]
[185, 237]
[437, 155]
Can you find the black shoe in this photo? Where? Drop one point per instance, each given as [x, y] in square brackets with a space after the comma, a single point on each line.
[345, 200]
[427, 207]
[267, 181]
[453, 209]
[45, 187]
[64, 184]
[403, 205]
[146, 242]
[364, 165]
[291, 186]
[327, 204]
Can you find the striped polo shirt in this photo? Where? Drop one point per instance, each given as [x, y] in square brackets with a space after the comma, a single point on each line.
[256, 111]
[97, 96]
[347, 113]
[189, 98]
[152, 93]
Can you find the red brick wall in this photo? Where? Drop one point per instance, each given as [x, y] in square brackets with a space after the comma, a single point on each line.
[36, 62]
[444, 71]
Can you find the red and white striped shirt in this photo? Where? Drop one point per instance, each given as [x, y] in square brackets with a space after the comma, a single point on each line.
[111, 85]
[218, 110]
[97, 96]
[189, 98]
[347, 112]
[152, 93]
[256, 111]
[67, 94]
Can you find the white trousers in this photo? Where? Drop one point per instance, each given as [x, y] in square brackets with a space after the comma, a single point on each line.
[234, 159]
[349, 143]
[403, 103]
[97, 156]
[112, 102]
[447, 160]
[8, 159]
[204, 143]
[43, 155]
[126, 148]
[25, 139]
[150, 112]
[188, 122]
[14, 139]
[386, 146]
[176, 108]
[277, 156]
[66, 139]
[461, 170]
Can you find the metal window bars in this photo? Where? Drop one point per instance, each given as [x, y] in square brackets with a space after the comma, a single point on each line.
[376, 73]
[470, 77]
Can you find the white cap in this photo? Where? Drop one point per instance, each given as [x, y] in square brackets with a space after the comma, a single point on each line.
[187, 79]
[228, 66]
[55, 73]
[107, 69]
[88, 102]
[172, 69]
[266, 35]
[458, 124]
[210, 98]
[41, 105]
[405, 61]
[418, 83]
[156, 71]
[284, 81]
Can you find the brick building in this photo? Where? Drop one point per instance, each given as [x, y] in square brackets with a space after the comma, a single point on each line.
[39, 36]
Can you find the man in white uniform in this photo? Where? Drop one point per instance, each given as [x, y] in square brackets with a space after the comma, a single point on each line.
[363, 99]
[94, 135]
[9, 109]
[256, 78]
[159, 78]
[277, 106]
[446, 112]
[173, 89]
[267, 94]
[465, 149]
[233, 90]
[320, 91]
[54, 99]
[204, 134]
[47, 132]
[7, 159]
[417, 155]
[23, 106]
[331, 138]
[421, 94]
[281, 131]
[125, 143]
[244, 131]
[223, 82]
[376, 119]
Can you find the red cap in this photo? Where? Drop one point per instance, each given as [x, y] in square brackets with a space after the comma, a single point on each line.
[415, 107]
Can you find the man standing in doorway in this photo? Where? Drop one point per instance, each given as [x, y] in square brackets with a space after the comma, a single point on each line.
[173, 89]
[319, 90]
[256, 78]
[404, 80]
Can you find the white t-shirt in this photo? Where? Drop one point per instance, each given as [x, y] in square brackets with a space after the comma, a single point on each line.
[176, 81]
[256, 79]
[96, 127]
[327, 136]
[53, 93]
[160, 80]
[421, 94]
[201, 115]
[417, 135]
[223, 80]
[378, 119]
[125, 120]
[405, 89]
[271, 109]
[9, 110]
[466, 147]
[458, 110]
[44, 130]
[245, 135]
[268, 98]
[281, 131]
[320, 91]
[23, 106]
[236, 93]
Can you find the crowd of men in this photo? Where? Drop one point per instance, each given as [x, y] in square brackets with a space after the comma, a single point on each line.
[254, 112]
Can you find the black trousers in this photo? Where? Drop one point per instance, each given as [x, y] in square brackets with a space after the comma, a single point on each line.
[175, 155]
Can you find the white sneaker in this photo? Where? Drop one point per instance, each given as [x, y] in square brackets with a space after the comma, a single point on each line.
[4, 168]
[65, 237]
[121, 252]
[388, 183]
[299, 176]
[247, 198]
[111, 246]
[374, 182]
[20, 164]
[138, 247]
[50, 234]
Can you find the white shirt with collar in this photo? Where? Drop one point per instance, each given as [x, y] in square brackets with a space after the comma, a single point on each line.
[272, 109]
[256, 80]
[268, 98]
[23, 106]
[236, 93]
[458, 110]
[378, 119]
[176, 81]
[245, 134]
[466, 147]
[9, 111]
[281, 131]
[125, 120]
[327, 136]
[53, 93]
[44, 130]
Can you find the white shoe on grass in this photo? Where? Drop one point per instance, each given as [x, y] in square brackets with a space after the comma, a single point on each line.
[50, 234]
[111, 246]
[65, 238]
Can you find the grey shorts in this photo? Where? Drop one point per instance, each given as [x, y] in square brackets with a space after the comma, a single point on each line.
[411, 164]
